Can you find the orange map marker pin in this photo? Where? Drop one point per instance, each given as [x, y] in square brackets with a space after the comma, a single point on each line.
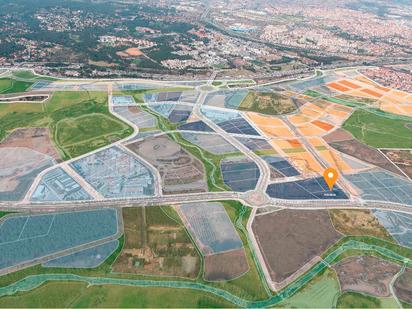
[330, 175]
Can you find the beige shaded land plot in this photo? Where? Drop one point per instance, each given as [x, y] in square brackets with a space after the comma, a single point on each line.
[288, 239]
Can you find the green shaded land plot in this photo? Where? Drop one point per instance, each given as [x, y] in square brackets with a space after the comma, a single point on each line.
[380, 130]
[321, 292]
[9, 85]
[79, 295]
[79, 121]
[138, 95]
[358, 300]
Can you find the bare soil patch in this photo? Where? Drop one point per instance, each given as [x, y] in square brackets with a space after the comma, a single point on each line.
[289, 239]
[226, 265]
[366, 274]
[403, 286]
[402, 159]
[338, 135]
[180, 171]
[339, 140]
[37, 139]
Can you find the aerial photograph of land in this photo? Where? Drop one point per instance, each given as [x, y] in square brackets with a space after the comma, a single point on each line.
[192, 154]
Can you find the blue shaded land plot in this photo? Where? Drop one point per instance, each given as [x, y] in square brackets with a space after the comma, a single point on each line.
[226, 98]
[123, 100]
[211, 227]
[40, 84]
[57, 185]
[174, 112]
[173, 96]
[213, 143]
[162, 97]
[189, 96]
[382, 186]
[163, 109]
[199, 126]
[311, 83]
[88, 258]
[307, 189]
[219, 115]
[116, 173]
[255, 143]
[180, 113]
[140, 118]
[230, 121]
[133, 86]
[19, 166]
[24, 182]
[240, 175]
[281, 165]
[238, 126]
[26, 238]
[398, 224]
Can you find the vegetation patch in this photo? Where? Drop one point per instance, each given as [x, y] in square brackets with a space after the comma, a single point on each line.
[61, 114]
[9, 85]
[80, 295]
[379, 130]
[156, 244]
[358, 223]
[270, 103]
[358, 300]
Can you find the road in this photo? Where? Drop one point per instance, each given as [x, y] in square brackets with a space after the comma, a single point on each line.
[264, 169]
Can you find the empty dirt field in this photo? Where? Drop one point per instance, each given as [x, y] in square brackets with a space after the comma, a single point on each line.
[289, 239]
[180, 172]
[402, 159]
[358, 223]
[155, 244]
[403, 286]
[37, 139]
[225, 266]
[344, 142]
[270, 103]
[366, 274]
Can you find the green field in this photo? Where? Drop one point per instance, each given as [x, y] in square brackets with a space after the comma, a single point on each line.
[8, 85]
[321, 292]
[28, 75]
[79, 121]
[358, 300]
[79, 295]
[139, 94]
[380, 130]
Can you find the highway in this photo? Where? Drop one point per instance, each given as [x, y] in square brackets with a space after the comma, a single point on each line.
[199, 197]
